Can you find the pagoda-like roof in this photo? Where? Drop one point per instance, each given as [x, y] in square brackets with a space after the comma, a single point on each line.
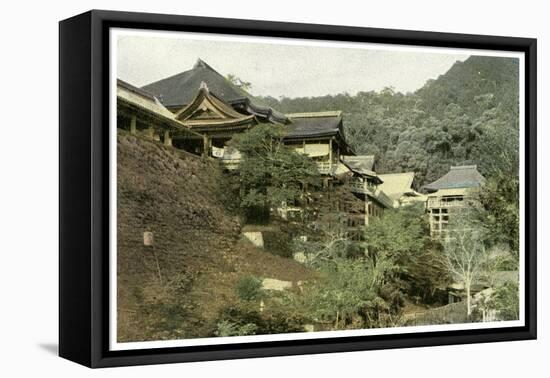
[208, 113]
[464, 176]
[361, 164]
[317, 125]
[179, 90]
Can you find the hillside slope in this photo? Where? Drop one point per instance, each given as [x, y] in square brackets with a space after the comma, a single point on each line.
[197, 244]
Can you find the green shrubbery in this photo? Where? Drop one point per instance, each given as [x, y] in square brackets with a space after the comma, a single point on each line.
[227, 328]
[249, 288]
[242, 319]
[278, 243]
[354, 293]
[506, 301]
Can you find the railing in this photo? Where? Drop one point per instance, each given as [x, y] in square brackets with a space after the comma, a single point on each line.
[323, 167]
[437, 203]
[361, 187]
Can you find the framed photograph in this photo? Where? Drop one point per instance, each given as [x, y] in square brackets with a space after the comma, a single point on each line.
[235, 188]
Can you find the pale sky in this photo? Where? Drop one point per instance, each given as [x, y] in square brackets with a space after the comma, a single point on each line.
[281, 70]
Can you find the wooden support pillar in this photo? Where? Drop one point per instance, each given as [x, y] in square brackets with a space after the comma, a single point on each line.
[330, 155]
[206, 146]
[133, 123]
[367, 212]
[150, 133]
[367, 202]
[167, 139]
[431, 217]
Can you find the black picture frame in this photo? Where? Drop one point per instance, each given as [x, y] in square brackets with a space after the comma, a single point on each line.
[84, 187]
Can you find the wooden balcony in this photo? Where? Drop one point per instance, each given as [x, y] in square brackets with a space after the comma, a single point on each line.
[362, 187]
[324, 167]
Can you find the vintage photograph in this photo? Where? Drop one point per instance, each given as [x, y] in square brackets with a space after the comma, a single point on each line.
[273, 186]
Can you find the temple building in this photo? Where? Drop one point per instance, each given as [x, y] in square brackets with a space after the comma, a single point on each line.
[141, 113]
[365, 184]
[206, 102]
[319, 135]
[200, 110]
[213, 119]
[453, 191]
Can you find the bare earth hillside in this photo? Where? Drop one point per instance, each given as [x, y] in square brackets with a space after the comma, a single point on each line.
[197, 244]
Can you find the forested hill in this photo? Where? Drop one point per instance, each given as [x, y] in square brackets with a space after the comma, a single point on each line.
[462, 117]
[496, 78]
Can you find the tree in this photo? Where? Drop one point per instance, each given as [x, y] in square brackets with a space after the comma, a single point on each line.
[270, 173]
[233, 79]
[399, 231]
[465, 255]
[403, 236]
[499, 197]
[351, 289]
[506, 301]
[332, 241]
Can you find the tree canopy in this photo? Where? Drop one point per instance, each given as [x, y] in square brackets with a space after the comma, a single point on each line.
[270, 173]
[402, 236]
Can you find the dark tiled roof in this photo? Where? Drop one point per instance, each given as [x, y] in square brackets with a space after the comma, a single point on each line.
[362, 164]
[180, 90]
[465, 176]
[319, 124]
[313, 127]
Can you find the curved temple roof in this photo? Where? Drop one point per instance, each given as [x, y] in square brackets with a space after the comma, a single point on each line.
[464, 176]
[179, 90]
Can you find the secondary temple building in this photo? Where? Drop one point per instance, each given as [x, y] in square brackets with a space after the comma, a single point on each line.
[450, 193]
